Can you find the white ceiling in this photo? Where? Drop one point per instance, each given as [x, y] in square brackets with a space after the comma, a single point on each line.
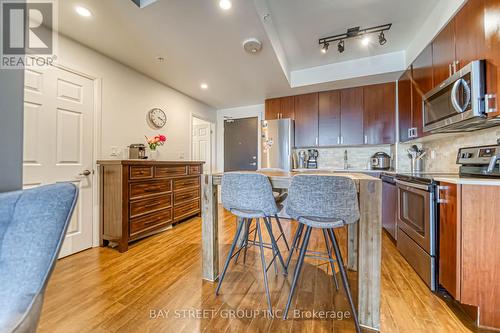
[300, 26]
[202, 43]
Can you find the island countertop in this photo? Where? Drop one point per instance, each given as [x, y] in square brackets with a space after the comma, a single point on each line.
[146, 161]
[363, 243]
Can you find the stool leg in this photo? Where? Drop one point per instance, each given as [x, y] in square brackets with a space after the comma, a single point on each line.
[274, 244]
[329, 250]
[296, 240]
[264, 266]
[244, 242]
[296, 275]
[344, 278]
[281, 230]
[248, 236]
[228, 260]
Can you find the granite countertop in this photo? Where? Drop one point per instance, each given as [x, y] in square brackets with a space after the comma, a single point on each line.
[469, 180]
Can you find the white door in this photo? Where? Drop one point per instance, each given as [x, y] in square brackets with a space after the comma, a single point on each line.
[202, 146]
[58, 118]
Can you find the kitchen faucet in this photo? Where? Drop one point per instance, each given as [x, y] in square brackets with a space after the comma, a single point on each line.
[346, 160]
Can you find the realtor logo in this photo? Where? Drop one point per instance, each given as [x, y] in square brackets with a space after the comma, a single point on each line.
[27, 33]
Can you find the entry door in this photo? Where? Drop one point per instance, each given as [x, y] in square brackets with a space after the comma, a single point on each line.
[202, 146]
[241, 144]
[58, 118]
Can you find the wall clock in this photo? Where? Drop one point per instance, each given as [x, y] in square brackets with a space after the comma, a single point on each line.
[157, 117]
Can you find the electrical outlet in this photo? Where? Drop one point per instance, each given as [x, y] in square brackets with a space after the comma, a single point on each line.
[114, 151]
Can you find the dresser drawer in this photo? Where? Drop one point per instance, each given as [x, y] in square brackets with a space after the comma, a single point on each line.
[170, 171]
[186, 209]
[195, 169]
[180, 197]
[141, 172]
[183, 183]
[142, 207]
[147, 189]
[150, 222]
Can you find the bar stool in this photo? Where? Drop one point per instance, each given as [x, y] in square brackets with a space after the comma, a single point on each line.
[326, 203]
[249, 196]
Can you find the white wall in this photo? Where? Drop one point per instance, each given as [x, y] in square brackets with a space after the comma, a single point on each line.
[240, 112]
[127, 96]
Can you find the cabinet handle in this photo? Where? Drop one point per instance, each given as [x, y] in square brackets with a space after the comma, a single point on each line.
[342, 140]
[487, 99]
[317, 141]
[455, 66]
[410, 135]
[366, 139]
[438, 194]
[450, 71]
[415, 132]
[338, 140]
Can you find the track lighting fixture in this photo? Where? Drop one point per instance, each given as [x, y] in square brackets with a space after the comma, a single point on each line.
[325, 47]
[341, 47]
[381, 38]
[355, 32]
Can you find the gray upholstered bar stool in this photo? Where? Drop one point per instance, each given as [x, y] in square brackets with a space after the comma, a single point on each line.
[322, 202]
[249, 196]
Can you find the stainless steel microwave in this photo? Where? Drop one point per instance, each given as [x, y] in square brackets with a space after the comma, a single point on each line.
[458, 103]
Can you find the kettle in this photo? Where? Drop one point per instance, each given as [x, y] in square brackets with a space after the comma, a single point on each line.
[380, 161]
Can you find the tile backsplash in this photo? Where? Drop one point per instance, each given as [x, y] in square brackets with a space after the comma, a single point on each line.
[442, 150]
[358, 157]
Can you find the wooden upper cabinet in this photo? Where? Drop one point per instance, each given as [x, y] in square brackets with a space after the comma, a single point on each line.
[404, 105]
[422, 83]
[449, 236]
[306, 120]
[443, 53]
[351, 124]
[278, 108]
[492, 54]
[469, 33]
[329, 118]
[379, 113]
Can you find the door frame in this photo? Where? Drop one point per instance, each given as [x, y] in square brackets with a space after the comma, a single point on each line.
[96, 141]
[213, 150]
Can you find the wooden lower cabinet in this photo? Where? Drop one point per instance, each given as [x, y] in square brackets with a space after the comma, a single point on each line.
[469, 258]
[140, 198]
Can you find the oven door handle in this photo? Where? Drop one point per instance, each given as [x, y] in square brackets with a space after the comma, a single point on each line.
[413, 185]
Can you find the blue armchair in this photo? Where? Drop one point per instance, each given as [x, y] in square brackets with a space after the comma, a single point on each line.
[33, 224]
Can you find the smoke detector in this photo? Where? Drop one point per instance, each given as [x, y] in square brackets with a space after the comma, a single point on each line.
[252, 45]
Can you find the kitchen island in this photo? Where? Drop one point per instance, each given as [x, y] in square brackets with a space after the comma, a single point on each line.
[364, 237]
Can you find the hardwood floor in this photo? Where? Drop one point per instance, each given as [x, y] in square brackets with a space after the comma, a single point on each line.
[156, 287]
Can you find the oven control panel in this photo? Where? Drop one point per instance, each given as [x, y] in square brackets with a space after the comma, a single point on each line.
[476, 155]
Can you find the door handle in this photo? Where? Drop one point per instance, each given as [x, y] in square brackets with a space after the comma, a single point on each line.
[487, 99]
[85, 173]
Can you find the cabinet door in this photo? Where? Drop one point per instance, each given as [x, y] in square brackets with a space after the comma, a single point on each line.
[449, 238]
[351, 121]
[421, 84]
[379, 113]
[404, 105]
[443, 53]
[492, 41]
[329, 118]
[306, 120]
[287, 107]
[469, 33]
[273, 108]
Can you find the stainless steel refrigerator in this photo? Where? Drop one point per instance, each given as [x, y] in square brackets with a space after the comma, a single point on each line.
[277, 144]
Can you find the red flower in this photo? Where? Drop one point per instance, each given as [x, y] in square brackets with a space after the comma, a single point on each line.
[162, 138]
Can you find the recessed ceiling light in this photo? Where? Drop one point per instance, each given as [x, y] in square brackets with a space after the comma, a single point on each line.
[365, 41]
[82, 11]
[225, 4]
[204, 86]
[160, 59]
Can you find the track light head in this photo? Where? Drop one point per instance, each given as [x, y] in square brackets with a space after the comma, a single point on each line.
[341, 46]
[381, 38]
[325, 47]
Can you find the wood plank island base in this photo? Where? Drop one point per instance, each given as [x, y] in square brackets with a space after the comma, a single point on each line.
[363, 242]
[141, 197]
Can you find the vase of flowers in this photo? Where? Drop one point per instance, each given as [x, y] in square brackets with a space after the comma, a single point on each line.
[154, 143]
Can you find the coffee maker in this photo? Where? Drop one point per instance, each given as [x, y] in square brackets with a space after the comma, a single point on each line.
[137, 151]
[312, 161]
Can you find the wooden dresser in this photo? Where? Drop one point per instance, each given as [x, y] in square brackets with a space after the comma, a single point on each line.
[139, 197]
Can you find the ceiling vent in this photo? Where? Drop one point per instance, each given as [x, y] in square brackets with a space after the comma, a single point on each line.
[252, 45]
[143, 3]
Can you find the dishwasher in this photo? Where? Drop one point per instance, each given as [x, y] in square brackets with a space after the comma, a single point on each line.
[389, 204]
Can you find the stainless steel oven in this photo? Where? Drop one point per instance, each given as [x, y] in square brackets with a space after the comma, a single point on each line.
[416, 220]
[458, 103]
